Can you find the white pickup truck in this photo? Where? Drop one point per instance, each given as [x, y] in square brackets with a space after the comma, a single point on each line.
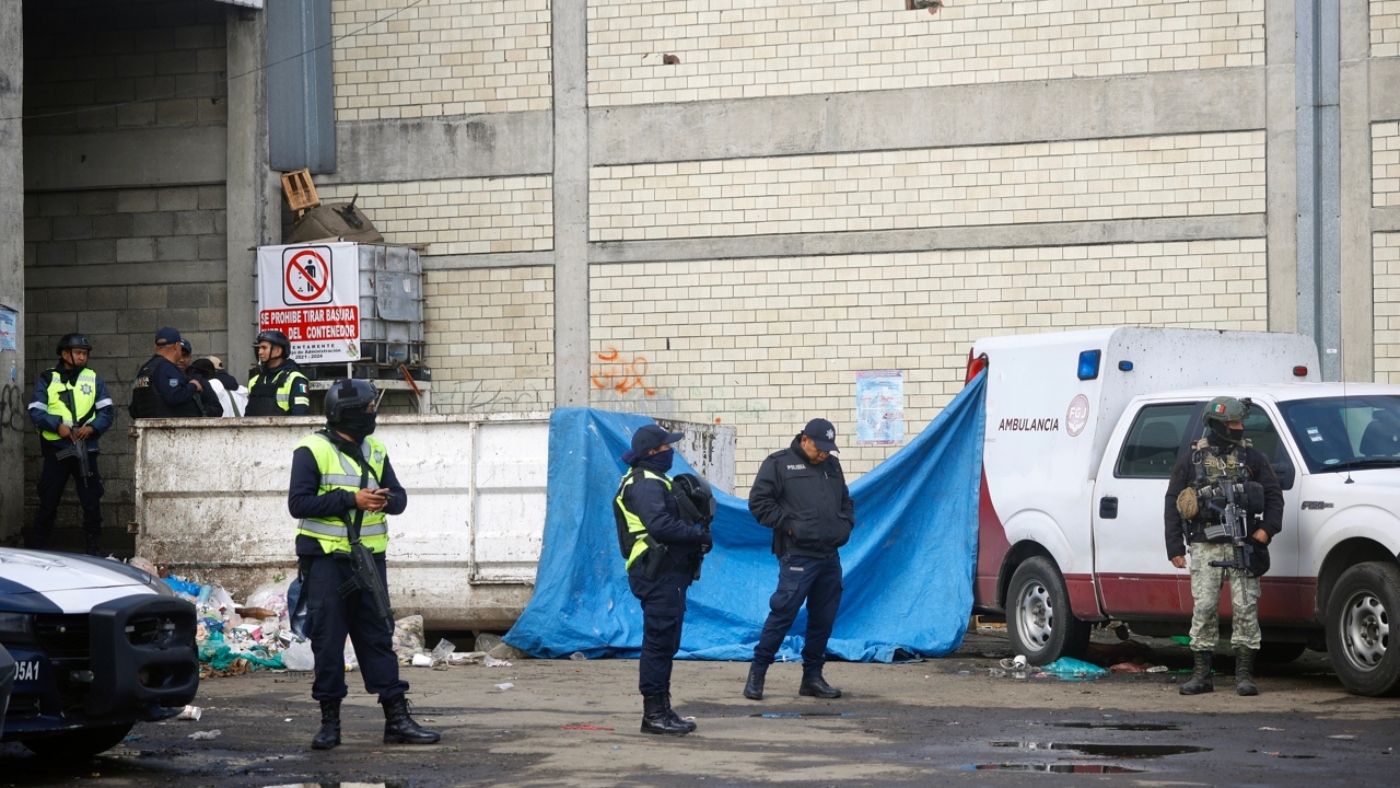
[1082, 431]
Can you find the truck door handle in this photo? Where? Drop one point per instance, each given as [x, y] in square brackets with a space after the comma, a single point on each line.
[1108, 507]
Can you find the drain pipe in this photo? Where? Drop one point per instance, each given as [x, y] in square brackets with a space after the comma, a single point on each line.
[1317, 93]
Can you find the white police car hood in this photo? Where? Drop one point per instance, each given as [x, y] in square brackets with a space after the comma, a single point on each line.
[40, 582]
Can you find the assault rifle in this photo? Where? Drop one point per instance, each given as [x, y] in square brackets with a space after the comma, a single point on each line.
[1232, 525]
[79, 451]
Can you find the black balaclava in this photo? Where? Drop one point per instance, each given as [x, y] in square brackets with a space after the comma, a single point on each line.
[1224, 436]
[357, 424]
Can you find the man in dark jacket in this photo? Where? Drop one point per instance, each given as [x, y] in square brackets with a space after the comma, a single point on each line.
[661, 553]
[208, 401]
[801, 494]
[1194, 503]
[161, 390]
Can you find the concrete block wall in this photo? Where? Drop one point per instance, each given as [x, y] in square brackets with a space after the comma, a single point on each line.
[490, 338]
[1385, 164]
[1386, 259]
[1385, 28]
[458, 215]
[730, 49]
[1133, 178]
[440, 57]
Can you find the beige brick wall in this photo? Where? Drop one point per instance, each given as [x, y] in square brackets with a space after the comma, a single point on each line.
[459, 216]
[764, 345]
[1386, 296]
[1139, 177]
[1385, 28]
[745, 48]
[1385, 164]
[490, 334]
[440, 57]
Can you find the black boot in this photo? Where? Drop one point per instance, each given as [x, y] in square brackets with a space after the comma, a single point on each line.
[1244, 671]
[656, 719]
[329, 735]
[94, 544]
[689, 726]
[399, 728]
[816, 686]
[1200, 680]
[753, 688]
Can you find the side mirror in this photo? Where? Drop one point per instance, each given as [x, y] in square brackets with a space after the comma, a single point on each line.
[1285, 473]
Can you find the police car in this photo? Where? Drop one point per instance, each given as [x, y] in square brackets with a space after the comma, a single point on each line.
[94, 647]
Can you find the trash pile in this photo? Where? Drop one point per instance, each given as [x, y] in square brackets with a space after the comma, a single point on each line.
[238, 638]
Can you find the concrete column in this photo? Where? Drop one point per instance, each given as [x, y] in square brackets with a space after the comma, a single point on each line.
[254, 191]
[1282, 166]
[14, 394]
[569, 32]
[1356, 282]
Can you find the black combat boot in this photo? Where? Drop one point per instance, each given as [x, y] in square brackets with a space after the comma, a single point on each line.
[1244, 671]
[399, 728]
[94, 544]
[816, 686]
[689, 726]
[753, 688]
[1200, 680]
[329, 735]
[656, 719]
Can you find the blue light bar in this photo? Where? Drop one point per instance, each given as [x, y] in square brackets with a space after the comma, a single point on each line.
[1089, 364]
[1125, 366]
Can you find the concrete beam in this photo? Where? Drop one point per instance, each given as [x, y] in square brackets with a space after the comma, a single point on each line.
[475, 146]
[459, 262]
[119, 274]
[569, 36]
[1356, 277]
[13, 377]
[175, 156]
[946, 238]
[1224, 99]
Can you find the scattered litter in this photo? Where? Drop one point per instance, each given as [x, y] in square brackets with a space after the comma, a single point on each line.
[1069, 667]
[463, 658]
[206, 735]
[586, 728]
[1343, 737]
[442, 650]
[491, 662]
[1127, 667]
[507, 685]
[1018, 663]
[617, 746]
[578, 656]
[298, 656]
[1267, 728]
[1158, 669]
[422, 661]
[190, 713]
[289, 719]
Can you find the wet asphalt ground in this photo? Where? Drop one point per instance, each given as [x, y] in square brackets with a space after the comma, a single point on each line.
[953, 721]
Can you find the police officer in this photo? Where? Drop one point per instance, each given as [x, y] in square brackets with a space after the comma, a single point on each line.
[662, 551]
[70, 403]
[1195, 502]
[279, 387]
[209, 404]
[161, 390]
[800, 492]
[341, 475]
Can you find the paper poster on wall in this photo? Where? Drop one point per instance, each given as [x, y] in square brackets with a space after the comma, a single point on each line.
[879, 407]
[8, 330]
[311, 293]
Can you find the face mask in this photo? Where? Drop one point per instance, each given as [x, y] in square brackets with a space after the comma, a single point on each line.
[1236, 435]
[357, 425]
[662, 460]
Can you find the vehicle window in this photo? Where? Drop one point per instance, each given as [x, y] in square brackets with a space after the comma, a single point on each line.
[1259, 430]
[1340, 433]
[1154, 440]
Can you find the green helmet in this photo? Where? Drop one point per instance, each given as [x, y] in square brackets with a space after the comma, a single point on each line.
[1225, 409]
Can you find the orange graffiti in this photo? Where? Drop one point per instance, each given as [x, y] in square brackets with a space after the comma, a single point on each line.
[620, 375]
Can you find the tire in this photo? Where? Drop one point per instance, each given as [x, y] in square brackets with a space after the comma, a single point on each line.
[1280, 653]
[79, 744]
[1360, 640]
[1039, 619]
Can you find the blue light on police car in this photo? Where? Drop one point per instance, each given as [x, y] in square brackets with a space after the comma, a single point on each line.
[1089, 364]
[1125, 366]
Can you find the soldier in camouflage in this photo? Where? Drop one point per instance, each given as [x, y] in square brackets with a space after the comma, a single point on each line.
[1194, 504]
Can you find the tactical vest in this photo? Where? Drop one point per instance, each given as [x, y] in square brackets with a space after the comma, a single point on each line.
[82, 393]
[632, 536]
[146, 402]
[1213, 470]
[271, 394]
[340, 472]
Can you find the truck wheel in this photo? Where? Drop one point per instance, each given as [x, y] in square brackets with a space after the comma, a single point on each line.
[1280, 653]
[81, 743]
[1041, 624]
[1359, 615]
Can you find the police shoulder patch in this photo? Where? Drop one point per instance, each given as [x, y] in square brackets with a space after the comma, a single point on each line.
[173, 382]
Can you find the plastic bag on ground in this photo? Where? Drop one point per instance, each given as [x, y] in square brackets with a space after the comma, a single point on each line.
[298, 656]
[408, 637]
[351, 662]
[1069, 666]
[270, 596]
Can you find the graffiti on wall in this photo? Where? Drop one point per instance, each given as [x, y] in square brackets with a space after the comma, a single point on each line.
[621, 375]
[13, 404]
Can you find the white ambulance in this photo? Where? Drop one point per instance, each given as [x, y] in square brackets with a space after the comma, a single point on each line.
[1082, 431]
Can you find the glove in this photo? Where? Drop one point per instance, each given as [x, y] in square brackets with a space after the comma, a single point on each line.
[707, 542]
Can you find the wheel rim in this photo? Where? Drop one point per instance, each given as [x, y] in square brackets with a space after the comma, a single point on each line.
[1037, 619]
[1365, 630]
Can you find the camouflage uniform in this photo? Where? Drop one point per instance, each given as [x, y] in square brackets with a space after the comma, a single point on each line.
[1206, 581]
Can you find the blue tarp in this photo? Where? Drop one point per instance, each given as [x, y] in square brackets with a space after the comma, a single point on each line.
[907, 569]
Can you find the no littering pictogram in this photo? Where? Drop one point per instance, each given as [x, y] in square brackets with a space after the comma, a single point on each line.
[306, 278]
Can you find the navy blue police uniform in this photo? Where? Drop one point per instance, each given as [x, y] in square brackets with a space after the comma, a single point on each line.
[810, 510]
[53, 479]
[161, 390]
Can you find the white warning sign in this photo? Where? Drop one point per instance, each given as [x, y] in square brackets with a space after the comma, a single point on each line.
[311, 293]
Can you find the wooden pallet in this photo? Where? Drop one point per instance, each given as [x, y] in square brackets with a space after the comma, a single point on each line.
[300, 191]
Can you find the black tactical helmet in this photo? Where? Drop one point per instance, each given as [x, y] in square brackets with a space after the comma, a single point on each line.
[277, 338]
[347, 396]
[694, 498]
[74, 342]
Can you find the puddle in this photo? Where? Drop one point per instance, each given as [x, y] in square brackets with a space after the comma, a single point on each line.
[1109, 750]
[1116, 726]
[1054, 768]
[1277, 754]
[775, 715]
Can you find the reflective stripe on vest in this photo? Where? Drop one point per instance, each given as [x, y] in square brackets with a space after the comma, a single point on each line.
[283, 395]
[84, 390]
[634, 523]
[340, 472]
